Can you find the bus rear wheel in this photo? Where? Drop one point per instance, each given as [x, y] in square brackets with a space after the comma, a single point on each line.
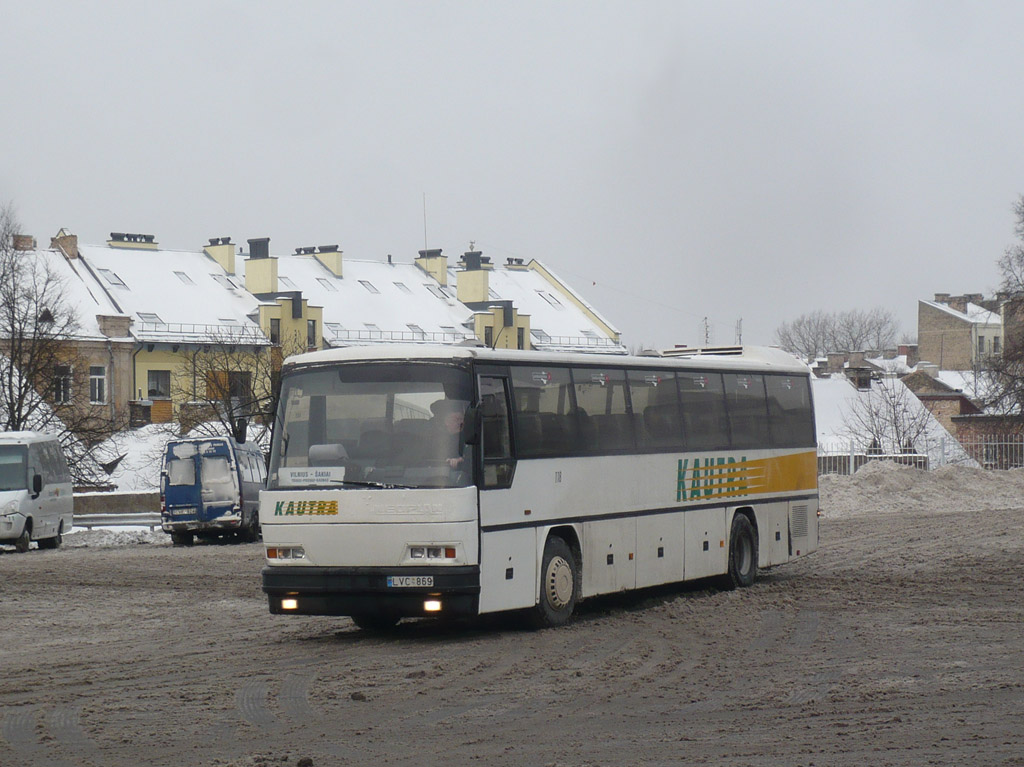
[742, 554]
[559, 585]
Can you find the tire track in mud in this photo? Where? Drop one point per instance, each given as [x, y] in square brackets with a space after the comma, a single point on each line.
[27, 736]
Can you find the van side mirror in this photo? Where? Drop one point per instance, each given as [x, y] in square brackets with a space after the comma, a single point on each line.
[37, 485]
[471, 426]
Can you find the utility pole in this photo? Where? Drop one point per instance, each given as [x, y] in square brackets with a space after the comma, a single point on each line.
[707, 333]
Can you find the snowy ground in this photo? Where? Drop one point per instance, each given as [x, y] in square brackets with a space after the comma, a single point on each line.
[897, 643]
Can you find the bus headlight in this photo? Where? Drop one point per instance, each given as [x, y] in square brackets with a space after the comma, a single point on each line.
[441, 553]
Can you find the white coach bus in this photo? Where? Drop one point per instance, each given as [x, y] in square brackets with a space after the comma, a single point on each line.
[411, 481]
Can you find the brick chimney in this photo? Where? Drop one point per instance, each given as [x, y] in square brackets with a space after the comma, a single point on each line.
[66, 243]
[23, 241]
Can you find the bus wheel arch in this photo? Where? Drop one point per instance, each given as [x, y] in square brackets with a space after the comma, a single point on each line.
[561, 566]
[55, 541]
[743, 540]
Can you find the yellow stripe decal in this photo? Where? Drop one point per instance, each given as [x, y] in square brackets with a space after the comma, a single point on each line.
[710, 477]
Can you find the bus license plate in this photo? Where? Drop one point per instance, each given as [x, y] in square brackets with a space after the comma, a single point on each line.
[410, 581]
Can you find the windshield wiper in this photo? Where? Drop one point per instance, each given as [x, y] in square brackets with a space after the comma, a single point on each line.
[371, 483]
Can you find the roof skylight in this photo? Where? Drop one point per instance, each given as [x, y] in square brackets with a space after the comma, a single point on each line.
[184, 278]
[402, 287]
[369, 286]
[151, 318]
[112, 278]
[550, 299]
[286, 282]
[224, 281]
[328, 285]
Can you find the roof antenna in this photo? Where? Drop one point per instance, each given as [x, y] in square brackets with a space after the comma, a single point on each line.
[425, 221]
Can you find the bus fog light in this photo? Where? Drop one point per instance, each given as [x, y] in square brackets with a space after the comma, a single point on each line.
[286, 552]
[289, 604]
[432, 606]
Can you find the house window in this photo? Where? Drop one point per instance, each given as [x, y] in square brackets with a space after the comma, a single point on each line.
[311, 334]
[240, 385]
[159, 384]
[62, 384]
[981, 346]
[97, 384]
[520, 338]
[275, 331]
[488, 336]
[996, 346]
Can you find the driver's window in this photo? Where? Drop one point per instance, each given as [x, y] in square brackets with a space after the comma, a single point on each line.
[495, 439]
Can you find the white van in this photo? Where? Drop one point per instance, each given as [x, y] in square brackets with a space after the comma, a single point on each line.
[36, 503]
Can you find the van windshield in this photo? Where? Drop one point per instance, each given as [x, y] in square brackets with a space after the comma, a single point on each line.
[13, 471]
[373, 424]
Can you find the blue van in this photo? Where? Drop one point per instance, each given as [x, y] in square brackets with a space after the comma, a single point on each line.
[210, 487]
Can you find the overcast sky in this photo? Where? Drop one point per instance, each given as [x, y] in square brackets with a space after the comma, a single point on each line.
[670, 160]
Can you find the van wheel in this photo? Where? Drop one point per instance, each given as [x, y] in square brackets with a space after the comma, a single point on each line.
[249, 532]
[55, 541]
[181, 539]
[559, 585]
[21, 543]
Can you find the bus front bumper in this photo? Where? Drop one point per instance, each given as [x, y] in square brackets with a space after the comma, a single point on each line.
[397, 591]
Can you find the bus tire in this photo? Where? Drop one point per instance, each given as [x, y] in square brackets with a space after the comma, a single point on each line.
[22, 542]
[559, 585]
[376, 622]
[742, 554]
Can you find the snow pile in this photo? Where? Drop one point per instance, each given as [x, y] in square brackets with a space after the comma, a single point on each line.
[884, 486]
[110, 538]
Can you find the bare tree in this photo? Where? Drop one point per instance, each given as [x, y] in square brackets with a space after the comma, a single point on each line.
[42, 373]
[813, 335]
[1001, 377]
[231, 382]
[889, 420]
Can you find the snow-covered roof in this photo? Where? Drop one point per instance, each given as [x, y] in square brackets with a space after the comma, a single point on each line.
[83, 296]
[897, 365]
[556, 322]
[836, 399]
[975, 314]
[375, 302]
[174, 295]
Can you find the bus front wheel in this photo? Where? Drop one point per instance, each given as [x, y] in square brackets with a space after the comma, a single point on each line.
[559, 585]
[742, 553]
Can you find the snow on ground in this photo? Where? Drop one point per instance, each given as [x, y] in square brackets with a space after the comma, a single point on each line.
[884, 486]
[115, 537]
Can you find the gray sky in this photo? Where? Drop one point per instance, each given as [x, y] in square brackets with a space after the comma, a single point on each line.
[671, 160]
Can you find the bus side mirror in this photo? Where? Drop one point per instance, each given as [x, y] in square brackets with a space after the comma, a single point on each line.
[37, 485]
[471, 426]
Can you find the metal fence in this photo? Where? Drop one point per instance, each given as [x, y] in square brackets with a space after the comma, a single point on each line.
[999, 451]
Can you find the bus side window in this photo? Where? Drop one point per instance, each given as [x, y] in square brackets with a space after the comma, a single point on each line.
[496, 442]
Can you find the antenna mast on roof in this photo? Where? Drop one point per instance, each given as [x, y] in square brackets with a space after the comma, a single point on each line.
[425, 246]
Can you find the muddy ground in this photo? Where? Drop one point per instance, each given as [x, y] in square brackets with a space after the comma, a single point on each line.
[900, 643]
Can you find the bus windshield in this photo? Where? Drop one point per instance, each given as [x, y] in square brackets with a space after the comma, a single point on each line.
[13, 473]
[372, 425]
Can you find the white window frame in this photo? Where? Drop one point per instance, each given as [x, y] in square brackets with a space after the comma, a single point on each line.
[97, 385]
